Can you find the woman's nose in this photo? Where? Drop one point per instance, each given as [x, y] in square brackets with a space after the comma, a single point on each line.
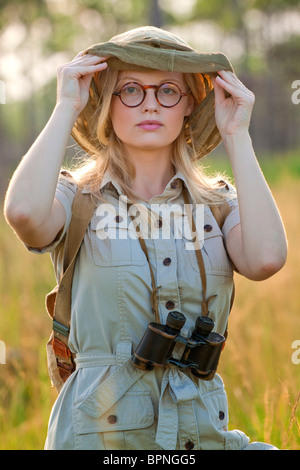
[150, 102]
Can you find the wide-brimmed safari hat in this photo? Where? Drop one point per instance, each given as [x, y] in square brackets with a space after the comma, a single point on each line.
[147, 48]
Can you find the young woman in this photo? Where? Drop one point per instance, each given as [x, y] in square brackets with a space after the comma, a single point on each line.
[145, 107]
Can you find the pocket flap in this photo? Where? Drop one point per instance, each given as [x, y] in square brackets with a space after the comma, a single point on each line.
[133, 411]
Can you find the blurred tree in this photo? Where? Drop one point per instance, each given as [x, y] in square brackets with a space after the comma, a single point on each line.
[261, 38]
[155, 15]
[286, 54]
[37, 35]
[274, 5]
[238, 17]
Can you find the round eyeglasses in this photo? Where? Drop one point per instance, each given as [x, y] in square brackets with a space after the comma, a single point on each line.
[133, 94]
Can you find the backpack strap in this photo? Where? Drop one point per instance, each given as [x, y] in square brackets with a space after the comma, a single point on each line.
[220, 212]
[58, 301]
[82, 211]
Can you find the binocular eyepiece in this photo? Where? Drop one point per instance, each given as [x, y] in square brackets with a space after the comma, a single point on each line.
[201, 353]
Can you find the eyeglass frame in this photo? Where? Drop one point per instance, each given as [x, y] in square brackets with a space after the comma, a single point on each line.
[146, 87]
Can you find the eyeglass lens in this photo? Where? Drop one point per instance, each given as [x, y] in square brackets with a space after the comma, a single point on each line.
[168, 94]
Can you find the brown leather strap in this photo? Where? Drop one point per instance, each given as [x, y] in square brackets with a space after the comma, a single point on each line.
[154, 297]
[82, 211]
[204, 303]
[220, 213]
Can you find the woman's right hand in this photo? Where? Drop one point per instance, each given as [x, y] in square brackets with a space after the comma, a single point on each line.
[30, 206]
[74, 79]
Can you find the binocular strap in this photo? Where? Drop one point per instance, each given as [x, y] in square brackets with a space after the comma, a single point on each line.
[204, 303]
[154, 297]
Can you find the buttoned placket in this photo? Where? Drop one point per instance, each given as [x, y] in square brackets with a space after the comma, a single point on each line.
[176, 418]
[162, 252]
[176, 422]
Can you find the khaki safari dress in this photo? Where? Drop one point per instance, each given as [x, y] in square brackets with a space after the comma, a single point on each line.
[107, 403]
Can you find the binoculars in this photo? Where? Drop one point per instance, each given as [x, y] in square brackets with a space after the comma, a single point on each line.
[201, 353]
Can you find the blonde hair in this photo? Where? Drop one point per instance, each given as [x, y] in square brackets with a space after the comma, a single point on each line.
[111, 155]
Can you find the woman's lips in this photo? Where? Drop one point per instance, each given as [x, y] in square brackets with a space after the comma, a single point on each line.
[150, 125]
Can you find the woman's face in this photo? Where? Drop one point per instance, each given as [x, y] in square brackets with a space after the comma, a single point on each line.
[149, 126]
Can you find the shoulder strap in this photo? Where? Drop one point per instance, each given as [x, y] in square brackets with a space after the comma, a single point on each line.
[220, 212]
[58, 301]
[82, 211]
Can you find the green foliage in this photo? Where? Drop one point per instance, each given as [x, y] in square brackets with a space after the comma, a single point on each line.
[274, 5]
[276, 167]
[227, 14]
[287, 55]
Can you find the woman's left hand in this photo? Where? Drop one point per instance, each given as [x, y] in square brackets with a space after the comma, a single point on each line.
[232, 113]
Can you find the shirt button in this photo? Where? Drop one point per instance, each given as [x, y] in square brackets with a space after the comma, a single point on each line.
[189, 445]
[221, 415]
[207, 228]
[223, 183]
[112, 419]
[167, 261]
[159, 223]
[174, 184]
[118, 218]
[170, 305]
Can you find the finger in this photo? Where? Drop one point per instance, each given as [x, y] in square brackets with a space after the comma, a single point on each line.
[90, 69]
[230, 76]
[239, 93]
[94, 56]
[232, 79]
[232, 88]
[219, 91]
[78, 55]
[88, 59]
[80, 72]
[223, 83]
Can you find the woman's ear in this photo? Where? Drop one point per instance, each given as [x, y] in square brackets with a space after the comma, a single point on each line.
[190, 105]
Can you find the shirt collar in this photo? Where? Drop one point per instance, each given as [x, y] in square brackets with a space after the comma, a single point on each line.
[175, 186]
[107, 181]
[172, 190]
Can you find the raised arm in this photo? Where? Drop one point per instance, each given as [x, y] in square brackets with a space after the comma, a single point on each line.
[258, 246]
[30, 205]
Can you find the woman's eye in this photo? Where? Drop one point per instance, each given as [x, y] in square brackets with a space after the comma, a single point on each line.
[168, 90]
[131, 90]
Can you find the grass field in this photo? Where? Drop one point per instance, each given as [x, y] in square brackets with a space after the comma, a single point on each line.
[262, 382]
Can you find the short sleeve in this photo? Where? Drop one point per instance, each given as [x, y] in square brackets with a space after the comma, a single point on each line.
[233, 218]
[65, 192]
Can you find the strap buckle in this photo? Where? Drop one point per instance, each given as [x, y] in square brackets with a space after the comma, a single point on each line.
[60, 328]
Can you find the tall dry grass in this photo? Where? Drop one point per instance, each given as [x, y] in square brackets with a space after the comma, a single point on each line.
[262, 382]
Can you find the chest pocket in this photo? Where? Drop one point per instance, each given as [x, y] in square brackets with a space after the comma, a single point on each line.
[114, 244]
[214, 253]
